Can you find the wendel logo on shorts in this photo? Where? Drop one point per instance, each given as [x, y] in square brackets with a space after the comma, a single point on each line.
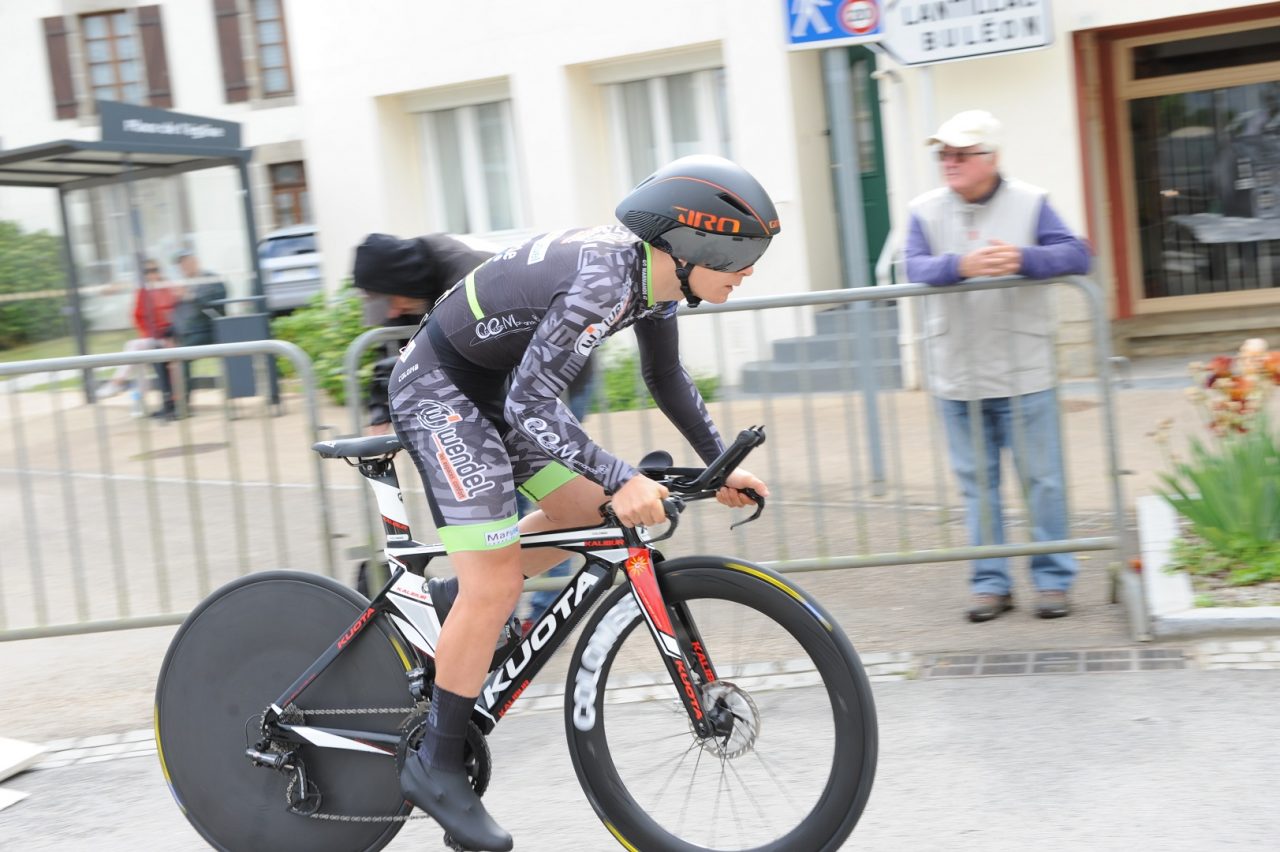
[466, 476]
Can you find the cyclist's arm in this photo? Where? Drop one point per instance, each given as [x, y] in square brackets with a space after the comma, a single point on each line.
[673, 388]
[558, 351]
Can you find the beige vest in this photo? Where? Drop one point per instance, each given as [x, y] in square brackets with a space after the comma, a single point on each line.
[990, 343]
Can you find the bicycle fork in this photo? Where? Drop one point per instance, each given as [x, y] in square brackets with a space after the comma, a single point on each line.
[677, 638]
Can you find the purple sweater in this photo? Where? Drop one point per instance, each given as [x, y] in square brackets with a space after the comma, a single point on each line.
[1057, 252]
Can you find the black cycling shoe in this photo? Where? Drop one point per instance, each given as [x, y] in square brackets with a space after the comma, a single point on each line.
[443, 595]
[448, 798]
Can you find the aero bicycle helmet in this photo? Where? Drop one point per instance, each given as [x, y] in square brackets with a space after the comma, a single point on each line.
[704, 210]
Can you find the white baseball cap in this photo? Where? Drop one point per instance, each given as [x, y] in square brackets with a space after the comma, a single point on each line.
[967, 129]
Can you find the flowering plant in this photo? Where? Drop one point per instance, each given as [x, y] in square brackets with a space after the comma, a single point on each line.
[1229, 491]
[1232, 390]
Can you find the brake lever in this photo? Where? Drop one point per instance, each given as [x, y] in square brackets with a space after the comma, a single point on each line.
[672, 507]
[757, 499]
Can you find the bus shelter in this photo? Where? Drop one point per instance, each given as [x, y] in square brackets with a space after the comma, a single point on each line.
[138, 143]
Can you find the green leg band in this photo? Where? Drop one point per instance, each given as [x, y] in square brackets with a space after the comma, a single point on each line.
[546, 480]
[487, 536]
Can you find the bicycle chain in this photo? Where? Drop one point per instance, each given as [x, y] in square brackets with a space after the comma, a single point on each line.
[351, 711]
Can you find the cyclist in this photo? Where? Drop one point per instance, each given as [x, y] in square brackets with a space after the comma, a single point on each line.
[476, 401]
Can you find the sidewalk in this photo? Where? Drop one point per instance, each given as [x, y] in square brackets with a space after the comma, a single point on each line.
[78, 686]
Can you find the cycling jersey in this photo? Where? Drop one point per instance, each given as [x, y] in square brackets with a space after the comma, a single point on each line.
[485, 374]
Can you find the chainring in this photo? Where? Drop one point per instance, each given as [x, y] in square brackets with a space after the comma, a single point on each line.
[476, 759]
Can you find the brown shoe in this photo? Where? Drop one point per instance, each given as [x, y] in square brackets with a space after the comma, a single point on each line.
[987, 607]
[1052, 604]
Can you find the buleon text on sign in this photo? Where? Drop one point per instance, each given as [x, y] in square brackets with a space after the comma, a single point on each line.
[920, 32]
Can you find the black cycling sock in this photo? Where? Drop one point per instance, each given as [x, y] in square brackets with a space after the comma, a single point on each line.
[446, 733]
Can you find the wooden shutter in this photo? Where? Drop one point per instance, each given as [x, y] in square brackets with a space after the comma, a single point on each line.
[227, 17]
[158, 94]
[64, 90]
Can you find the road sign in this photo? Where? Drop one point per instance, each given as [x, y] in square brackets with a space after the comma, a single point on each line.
[922, 32]
[831, 23]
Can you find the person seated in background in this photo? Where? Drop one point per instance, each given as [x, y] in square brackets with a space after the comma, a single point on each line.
[201, 295]
[153, 304]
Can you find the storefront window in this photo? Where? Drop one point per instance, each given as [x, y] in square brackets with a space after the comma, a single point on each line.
[1207, 169]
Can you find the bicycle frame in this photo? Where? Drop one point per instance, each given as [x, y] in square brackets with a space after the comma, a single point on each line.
[608, 550]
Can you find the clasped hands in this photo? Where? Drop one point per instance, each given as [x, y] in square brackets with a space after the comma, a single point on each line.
[991, 261]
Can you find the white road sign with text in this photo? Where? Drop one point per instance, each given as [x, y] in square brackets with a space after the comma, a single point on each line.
[921, 32]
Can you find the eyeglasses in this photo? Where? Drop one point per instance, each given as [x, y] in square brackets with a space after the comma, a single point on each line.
[151, 270]
[960, 156]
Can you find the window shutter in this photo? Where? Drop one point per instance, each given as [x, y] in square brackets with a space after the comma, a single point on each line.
[227, 17]
[64, 92]
[158, 94]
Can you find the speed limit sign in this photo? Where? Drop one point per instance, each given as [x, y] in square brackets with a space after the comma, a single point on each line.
[859, 17]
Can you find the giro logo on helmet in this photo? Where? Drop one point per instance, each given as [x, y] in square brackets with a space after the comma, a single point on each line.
[708, 222]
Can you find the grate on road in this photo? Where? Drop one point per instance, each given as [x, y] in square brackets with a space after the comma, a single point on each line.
[1053, 662]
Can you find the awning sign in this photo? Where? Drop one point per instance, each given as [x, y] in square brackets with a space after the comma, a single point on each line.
[921, 32]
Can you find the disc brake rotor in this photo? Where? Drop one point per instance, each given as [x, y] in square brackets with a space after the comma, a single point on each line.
[736, 719]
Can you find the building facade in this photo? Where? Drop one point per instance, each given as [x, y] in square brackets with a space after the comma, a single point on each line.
[1153, 126]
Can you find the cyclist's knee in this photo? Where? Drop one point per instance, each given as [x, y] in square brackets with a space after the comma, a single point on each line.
[490, 579]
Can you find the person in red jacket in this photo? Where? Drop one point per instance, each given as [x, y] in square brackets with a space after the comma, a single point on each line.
[153, 305]
[152, 309]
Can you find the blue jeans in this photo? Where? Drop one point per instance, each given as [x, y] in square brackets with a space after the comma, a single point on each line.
[1036, 446]
[579, 399]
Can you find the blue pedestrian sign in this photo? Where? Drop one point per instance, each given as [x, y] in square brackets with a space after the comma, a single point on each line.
[830, 23]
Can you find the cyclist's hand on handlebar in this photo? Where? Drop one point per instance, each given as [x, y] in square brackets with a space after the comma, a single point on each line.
[732, 496]
[639, 502]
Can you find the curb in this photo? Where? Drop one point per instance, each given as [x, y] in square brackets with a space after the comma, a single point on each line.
[1170, 601]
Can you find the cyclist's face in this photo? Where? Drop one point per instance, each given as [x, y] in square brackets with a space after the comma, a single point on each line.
[715, 287]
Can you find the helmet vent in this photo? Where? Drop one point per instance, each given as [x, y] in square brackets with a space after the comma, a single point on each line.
[733, 202]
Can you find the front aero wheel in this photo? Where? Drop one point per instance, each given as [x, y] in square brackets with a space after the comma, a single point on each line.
[233, 656]
[793, 766]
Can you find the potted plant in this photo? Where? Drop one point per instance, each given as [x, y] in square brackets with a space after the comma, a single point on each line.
[1225, 540]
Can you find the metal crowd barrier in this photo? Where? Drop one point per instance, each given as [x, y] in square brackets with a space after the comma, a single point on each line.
[129, 523]
[115, 521]
[855, 458]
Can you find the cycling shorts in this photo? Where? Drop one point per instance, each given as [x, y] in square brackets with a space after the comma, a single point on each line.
[449, 418]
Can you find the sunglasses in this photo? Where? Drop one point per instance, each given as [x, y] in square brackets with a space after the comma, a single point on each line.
[151, 270]
[960, 156]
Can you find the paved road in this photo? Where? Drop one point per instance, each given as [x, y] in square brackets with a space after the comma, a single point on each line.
[1167, 760]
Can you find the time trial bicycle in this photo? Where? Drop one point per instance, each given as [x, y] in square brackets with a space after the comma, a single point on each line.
[287, 701]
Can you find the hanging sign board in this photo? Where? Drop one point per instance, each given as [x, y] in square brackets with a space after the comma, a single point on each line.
[922, 32]
[133, 124]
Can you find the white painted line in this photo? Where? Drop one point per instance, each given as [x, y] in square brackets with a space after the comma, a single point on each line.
[10, 797]
[16, 756]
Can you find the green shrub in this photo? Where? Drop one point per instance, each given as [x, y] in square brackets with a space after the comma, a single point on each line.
[624, 389]
[1230, 494]
[30, 263]
[324, 329]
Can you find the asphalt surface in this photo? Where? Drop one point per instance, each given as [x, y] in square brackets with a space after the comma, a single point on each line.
[1165, 760]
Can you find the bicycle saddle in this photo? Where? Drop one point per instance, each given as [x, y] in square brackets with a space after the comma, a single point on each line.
[365, 447]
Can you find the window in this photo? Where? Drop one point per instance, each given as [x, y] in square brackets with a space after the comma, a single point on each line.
[123, 60]
[1203, 117]
[289, 201]
[473, 179]
[255, 61]
[273, 51]
[113, 58]
[660, 118]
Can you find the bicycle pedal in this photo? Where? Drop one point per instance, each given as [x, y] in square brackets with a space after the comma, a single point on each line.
[450, 843]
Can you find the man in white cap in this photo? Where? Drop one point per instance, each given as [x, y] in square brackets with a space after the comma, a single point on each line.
[990, 352]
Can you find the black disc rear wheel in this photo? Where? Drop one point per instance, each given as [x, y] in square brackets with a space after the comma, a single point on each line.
[792, 764]
[233, 656]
